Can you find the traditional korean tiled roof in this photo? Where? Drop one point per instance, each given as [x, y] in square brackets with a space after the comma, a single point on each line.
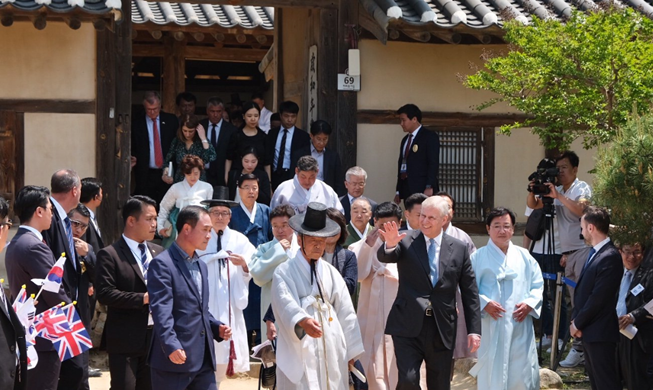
[480, 14]
[204, 15]
[63, 6]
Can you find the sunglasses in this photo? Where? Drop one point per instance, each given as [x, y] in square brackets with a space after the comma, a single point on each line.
[8, 224]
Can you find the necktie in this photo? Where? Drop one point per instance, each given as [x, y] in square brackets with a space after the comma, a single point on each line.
[433, 262]
[407, 148]
[71, 241]
[587, 262]
[623, 291]
[144, 261]
[282, 150]
[158, 153]
[214, 136]
[222, 262]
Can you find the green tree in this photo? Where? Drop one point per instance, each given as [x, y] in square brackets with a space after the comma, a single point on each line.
[624, 180]
[580, 78]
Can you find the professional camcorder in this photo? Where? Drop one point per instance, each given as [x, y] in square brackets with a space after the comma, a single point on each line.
[546, 172]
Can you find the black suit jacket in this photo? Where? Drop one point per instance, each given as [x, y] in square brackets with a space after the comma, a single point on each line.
[11, 333]
[595, 296]
[25, 245]
[416, 293]
[140, 147]
[422, 163]
[93, 238]
[333, 174]
[119, 284]
[344, 201]
[300, 140]
[57, 239]
[635, 306]
[215, 173]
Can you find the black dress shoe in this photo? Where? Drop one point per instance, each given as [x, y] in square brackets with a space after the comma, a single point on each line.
[94, 372]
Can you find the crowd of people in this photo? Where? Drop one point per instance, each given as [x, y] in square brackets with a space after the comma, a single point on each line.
[237, 236]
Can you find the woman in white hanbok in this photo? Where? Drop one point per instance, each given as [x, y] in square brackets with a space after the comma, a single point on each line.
[190, 191]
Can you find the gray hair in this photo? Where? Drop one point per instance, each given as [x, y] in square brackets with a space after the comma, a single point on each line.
[63, 181]
[437, 202]
[363, 199]
[355, 171]
[214, 101]
[307, 164]
[152, 97]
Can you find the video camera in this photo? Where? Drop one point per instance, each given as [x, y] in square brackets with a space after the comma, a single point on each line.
[546, 172]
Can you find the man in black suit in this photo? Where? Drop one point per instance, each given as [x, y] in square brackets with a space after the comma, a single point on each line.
[355, 180]
[594, 318]
[123, 288]
[152, 134]
[218, 132]
[12, 332]
[28, 258]
[285, 154]
[329, 161]
[66, 188]
[186, 103]
[422, 320]
[636, 290]
[419, 156]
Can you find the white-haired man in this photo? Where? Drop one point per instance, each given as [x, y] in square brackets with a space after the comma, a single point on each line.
[355, 180]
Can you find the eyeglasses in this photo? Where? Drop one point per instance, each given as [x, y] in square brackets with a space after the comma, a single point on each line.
[8, 224]
[222, 214]
[79, 224]
[632, 253]
[248, 188]
[360, 184]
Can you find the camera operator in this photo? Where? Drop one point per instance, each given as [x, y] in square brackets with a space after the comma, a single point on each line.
[569, 201]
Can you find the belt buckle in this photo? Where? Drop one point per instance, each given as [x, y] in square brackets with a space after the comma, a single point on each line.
[429, 312]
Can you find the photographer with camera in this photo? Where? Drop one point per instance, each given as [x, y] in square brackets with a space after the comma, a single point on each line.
[569, 199]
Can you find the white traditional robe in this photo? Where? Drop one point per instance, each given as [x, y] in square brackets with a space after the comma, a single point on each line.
[290, 192]
[266, 259]
[379, 283]
[507, 357]
[237, 243]
[181, 194]
[305, 363]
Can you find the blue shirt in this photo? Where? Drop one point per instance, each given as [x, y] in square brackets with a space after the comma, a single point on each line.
[192, 265]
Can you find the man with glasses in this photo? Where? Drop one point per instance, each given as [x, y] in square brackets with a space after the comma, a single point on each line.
[28, 258]
[355, 180]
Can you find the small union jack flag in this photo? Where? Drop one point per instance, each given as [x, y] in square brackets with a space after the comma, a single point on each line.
[52, 323]
[75, 341]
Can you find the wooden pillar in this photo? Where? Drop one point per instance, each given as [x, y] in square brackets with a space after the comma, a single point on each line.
[174, 71]
[327, 45]
[345, 129]
[113, 121]
[278, 53]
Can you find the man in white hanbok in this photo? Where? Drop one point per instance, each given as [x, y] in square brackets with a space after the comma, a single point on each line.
[318, 332]
[226, 257]
[379, 283]
[269, 255]
[304, 188]
[510, 287]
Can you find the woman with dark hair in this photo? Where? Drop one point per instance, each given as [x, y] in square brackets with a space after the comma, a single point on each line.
[342, 259]
[249, 162]
[191, 139]
[190, 191]
[250, 135]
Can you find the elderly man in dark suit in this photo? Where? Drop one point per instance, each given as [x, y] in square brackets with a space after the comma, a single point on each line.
[636, 290]
[12, 333]
[66, 190]
[218, 132]
[355, 180]
[594, 318]
[328, 159]
[419, 156]
[28, 258]
[182, 352]
[285, 143]
[122, 285]
[152, 134]
[422, 320]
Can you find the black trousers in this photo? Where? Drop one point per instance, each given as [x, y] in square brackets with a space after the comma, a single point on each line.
[154, 186]
[71, 375]
[601, 365]
[45, 376]
[131, 371]
[633, 361]
[280, 176]
[427, 347]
